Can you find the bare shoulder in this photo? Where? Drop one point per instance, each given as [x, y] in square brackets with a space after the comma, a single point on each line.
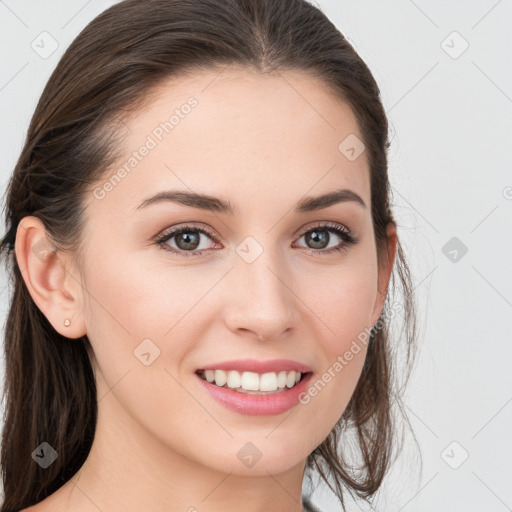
[52, 503]
[56, 502]
[38, 507]
[43, 507]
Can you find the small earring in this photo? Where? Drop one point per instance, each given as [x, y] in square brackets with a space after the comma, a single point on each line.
[67, 322]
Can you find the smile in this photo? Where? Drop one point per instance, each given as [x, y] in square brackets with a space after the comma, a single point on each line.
[251, 382]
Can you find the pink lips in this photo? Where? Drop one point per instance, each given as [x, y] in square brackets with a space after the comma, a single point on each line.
[252, 365]
[257, 405]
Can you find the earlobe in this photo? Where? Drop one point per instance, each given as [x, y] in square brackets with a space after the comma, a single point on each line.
[385, 272]
[54, 291]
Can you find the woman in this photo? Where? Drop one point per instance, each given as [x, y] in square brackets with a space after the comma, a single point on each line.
[201, 247]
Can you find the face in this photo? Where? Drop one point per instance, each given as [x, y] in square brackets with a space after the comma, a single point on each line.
[265, 283]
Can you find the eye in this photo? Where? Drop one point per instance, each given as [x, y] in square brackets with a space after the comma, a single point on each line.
[318, 237]
[188, 239]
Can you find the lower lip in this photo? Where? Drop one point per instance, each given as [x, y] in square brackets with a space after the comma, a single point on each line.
[257, 405]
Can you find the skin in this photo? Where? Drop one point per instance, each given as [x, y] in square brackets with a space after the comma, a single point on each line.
[162, 443]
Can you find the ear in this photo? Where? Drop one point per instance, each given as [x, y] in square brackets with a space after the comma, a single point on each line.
[385, 269]
[56, 292]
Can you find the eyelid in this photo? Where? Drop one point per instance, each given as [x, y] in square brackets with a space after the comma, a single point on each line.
[322, 224]
[300, 232]
[188, 226]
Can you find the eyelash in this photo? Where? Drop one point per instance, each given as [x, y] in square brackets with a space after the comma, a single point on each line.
[345, 235]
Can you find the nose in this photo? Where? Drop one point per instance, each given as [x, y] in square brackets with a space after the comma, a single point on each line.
[261, 301]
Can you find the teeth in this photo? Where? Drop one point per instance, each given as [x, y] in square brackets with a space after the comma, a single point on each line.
[220, 377]
[251, 381]
[234, 380]
[281, 380]
[268, 382]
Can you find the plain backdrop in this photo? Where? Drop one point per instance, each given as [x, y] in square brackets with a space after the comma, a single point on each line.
[445, 73]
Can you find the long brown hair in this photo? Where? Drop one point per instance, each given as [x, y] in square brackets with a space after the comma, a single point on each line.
[109, 69]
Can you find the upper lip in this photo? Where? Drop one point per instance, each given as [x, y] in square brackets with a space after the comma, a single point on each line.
[252, 365]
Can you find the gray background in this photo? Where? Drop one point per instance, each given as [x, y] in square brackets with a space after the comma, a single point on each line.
[450, 169]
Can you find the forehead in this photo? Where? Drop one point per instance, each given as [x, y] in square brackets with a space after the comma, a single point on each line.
[240, 134]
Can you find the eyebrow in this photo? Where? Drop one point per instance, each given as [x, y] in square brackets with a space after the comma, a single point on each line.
[217, 205]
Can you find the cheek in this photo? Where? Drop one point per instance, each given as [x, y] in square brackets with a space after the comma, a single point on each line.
[128, 315]
[343, 354]
[330, 390]
[342, 301]
[136, 299]
[130, 302]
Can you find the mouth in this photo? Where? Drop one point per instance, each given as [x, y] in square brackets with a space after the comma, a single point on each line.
[252, 383]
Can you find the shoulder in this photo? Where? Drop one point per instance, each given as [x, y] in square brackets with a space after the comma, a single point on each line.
[56, 502]
[38, 507]
[49, 504]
